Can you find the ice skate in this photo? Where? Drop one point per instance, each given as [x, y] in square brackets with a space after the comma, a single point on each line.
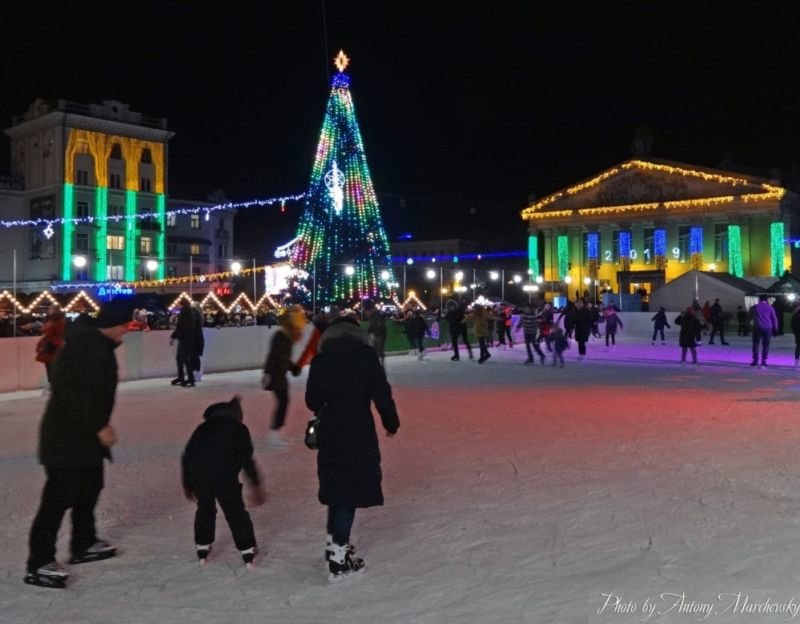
[52, 575]
[97, 551]
[455, 358]
[342, 564]
[329, 548]
[421, 356]
[202, 553]
[249, 556]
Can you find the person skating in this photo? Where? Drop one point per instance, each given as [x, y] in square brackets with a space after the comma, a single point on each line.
[743, 322]
[218, 450]
[52, 339]
[529, 322]
[343, 381]
[416, 327]
[583, 327]
[480, 317]
[376, 328]
[613, 322]
[186, 334]
[795, 324]
[765, 326]
[456, 322]
[659, 323]
[687, 338]
[717, 323]
[75, 438]
[560, 344]
[277, 365]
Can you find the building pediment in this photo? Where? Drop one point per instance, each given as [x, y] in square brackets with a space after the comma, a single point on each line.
[647, 185]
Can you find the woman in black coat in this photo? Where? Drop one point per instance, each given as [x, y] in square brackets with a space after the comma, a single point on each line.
[690, 325]
[344, 379]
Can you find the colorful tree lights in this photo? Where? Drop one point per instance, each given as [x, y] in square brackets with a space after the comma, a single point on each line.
[341, 225]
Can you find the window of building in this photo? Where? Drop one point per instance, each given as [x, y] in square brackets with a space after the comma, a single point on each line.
[144, 185]
[172, 271]
[222, 250]
[681, 253]
[116, 152]
[115, 272]
[195, 221]
[82, 210]
[147, 156]
[82, 177]
[114, 180]
[615, 247]
[194, 249]
[222, 223]
[115, 242]
[116, 210]
[649, 242]
[145, 246]
[172, 249]
[172, 219]
[720, 242]
[82, 243]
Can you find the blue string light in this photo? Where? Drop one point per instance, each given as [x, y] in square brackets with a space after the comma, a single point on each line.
[593, 245]
[151, 215]
[696, 240]
[660, 242]
[624, 244]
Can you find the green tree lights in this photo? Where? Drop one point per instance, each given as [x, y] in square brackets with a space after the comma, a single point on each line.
[341, 241]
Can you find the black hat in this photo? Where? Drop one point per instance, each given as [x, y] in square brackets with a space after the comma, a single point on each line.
[229, 409]
[116, 312]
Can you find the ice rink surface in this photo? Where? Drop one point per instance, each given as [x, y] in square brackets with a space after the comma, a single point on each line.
[513, 493]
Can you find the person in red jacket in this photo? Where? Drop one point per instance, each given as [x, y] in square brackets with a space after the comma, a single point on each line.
[51, 340]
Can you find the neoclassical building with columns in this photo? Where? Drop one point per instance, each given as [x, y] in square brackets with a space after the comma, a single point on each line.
[646, 222]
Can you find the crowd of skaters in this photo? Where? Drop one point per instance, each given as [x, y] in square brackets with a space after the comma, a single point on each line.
[547, 332]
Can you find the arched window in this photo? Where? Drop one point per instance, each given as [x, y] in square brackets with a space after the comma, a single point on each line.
[147, 157]
[116, 152]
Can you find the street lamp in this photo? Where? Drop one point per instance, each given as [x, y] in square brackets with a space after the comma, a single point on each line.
[236, 267]
[151, 265]
[431, 274]
[349, 270]
[79, 261]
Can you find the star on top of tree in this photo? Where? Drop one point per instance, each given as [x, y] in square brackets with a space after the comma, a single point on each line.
[341, 61]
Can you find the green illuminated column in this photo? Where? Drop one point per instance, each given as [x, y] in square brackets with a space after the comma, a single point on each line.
[563, 256]
[161, 237]
[101, 240]
[130, 235]
[776, 244]
[533, 255]
[735, 251]
[67, 230]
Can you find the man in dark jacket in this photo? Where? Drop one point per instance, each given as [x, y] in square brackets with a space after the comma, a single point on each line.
[74, 439]
[717, 323]
[277, 365]
[344, 380]
[185, 333]
[457, 325]
[219, 449]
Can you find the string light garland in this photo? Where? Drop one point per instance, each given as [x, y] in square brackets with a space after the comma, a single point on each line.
[341, 224]
[150, 283]
[696, 246]
[625, 249]
[735, 264]
[18, 305]
[49, 222]
[533, 254]
[769, 192]
[562, 244]
[776, 241]
[660, 248]
[240, 300]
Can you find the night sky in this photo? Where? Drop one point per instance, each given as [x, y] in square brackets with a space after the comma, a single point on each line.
[466, 108]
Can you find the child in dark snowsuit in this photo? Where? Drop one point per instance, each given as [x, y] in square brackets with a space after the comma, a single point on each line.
[219, 449]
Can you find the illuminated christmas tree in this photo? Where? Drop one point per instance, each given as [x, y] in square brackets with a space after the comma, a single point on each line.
[341, 241]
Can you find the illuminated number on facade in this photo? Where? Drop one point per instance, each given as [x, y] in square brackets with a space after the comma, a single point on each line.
[634, 255]
[676, 252]
[607, 255]
[646, 254]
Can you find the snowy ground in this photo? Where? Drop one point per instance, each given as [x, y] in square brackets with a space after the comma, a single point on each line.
[513, 494]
